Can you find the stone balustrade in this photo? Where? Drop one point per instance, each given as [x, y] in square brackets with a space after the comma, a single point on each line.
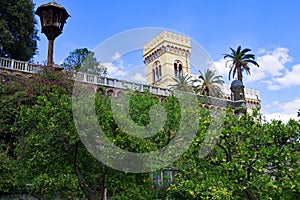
[26, 67]
[120, 84]
[17, 65]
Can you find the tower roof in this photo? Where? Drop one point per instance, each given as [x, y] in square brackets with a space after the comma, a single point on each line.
[236, 83]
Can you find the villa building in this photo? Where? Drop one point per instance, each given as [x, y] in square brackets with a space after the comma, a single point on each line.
[167, 56]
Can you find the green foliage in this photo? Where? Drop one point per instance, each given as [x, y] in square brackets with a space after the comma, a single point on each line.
[139, 108]
[183, 83]
[84, 60]
[49, 155]
[18, 36]
[251, 160]
[239, 59]
[125, 186]
[41, 152]
[209, 84]
[8, 169]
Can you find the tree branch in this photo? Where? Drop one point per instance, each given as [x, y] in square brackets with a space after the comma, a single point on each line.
[89, 193]
[228, 157]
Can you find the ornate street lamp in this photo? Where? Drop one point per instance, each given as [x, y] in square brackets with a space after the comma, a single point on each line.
[53, 17]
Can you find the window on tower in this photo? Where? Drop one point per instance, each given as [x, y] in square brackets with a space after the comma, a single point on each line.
[156, 71]
[178, 69]
[153, 75]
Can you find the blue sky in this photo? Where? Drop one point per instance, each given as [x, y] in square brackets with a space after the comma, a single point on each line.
[270, 28]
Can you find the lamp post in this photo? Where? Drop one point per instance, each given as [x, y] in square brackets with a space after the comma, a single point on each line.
[53, 17]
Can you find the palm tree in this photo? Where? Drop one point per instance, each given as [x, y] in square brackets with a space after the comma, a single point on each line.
[183, 83]
[209, 84]
[239, 62]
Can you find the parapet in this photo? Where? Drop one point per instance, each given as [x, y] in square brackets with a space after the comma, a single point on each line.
[252, 93]
[167, 36]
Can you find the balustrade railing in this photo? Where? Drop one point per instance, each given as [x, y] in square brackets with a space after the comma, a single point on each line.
[27, 67]
[17, 65]
[121, 84]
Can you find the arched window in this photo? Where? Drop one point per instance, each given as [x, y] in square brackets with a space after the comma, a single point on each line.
[168, 48]
[157, 74]
[156, 71]
[153, 75]
[178, 69]
[187, 53]
[172, 49]
[159, 68]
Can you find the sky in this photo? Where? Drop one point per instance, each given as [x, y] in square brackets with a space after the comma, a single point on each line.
[271, 29]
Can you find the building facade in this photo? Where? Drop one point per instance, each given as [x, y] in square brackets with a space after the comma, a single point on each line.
[167, 56]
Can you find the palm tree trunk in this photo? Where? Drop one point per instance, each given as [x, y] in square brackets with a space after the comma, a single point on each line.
[239, 72]
[240, 77]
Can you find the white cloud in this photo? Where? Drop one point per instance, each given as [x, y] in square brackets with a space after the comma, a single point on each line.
[114, 71]
[275, 103]
[221, 69]
[271, 70]
[116, 68]
[224, 71]
[256, 75]
[278, 76]
[138, 77]
[285, 111]
[290, 78]
[272, 62]
[116, 56]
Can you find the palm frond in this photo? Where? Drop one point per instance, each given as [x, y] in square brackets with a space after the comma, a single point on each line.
[239, 59]
[183, 83]
[244, 51]
[252, 62]
[210, 83]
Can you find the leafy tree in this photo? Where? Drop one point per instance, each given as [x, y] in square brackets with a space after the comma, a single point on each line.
[183, 83]
[239, 59]
[76, 58]
[51, 159]
[250, 161]
[209, 84]
[84, 60]
[8, 171]
[18, 36]
[15, 93]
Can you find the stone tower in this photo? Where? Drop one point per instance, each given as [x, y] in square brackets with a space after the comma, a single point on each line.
[237, 89]
[166, 56]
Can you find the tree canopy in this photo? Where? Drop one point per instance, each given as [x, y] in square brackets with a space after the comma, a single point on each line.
[18, 35]
[251, 160]
[239, 60]
[84, 60]
[182, 83]
[209, 83]
[42, 154]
